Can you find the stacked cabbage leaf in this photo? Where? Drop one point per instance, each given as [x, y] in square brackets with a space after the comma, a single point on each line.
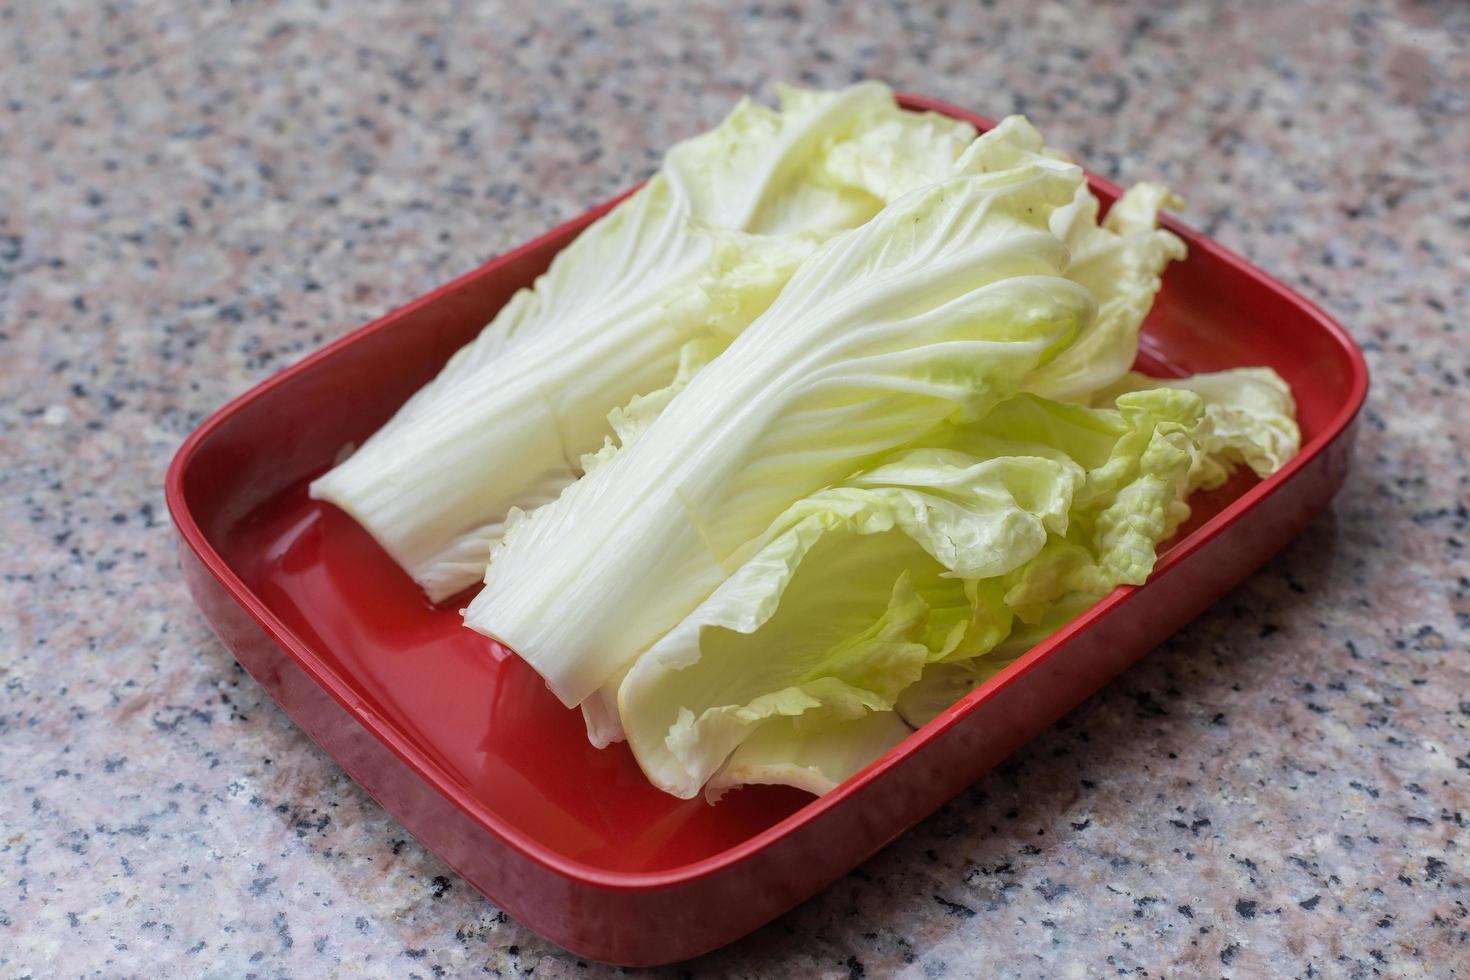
[861, 387]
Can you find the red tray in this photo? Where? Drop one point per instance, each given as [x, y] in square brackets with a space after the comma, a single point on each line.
[462, 742]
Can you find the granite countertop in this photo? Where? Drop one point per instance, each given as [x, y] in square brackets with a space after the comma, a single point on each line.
[194, 195]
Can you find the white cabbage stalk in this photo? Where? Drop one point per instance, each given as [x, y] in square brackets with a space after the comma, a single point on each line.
[935, 310]
[696, 254]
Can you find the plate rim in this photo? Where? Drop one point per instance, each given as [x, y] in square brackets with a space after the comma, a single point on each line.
[643, 881]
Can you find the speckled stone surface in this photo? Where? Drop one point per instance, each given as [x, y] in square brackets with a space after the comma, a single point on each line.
[195, 195]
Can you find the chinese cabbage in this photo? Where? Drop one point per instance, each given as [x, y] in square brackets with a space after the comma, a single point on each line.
[933, 311]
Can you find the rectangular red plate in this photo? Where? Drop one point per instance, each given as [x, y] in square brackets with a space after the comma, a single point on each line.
[463, 744]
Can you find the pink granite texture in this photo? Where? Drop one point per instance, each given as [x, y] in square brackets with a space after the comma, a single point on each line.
[194, 195]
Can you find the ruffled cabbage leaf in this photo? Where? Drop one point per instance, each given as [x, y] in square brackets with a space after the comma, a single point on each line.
[930, 557]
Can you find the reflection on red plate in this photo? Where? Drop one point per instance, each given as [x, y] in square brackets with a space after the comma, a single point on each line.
[465, 746]
[484, 717]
